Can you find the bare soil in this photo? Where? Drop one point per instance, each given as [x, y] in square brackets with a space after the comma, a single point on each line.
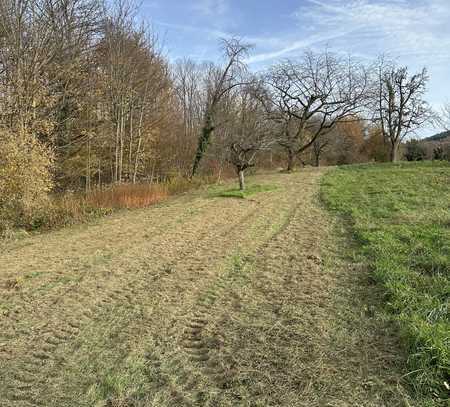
[197, 302]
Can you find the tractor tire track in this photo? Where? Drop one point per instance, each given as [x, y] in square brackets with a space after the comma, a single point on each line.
[188, 256]
[24, 387]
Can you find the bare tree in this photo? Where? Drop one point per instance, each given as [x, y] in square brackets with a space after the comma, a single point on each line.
[398, 103]
[189, 84]
[221, 81]
[310, 96]
[136, 84]
[37, 36]
[248, 130]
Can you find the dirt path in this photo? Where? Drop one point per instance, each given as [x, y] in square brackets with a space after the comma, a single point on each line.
[200, 302]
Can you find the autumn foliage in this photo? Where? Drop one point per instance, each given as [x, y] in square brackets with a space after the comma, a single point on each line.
[91, 107]
[25, 178]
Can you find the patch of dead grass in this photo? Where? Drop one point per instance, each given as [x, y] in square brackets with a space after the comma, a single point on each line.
[198, 302]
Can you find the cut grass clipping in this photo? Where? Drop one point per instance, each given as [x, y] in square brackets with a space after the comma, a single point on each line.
[400, 217]
[249, 191]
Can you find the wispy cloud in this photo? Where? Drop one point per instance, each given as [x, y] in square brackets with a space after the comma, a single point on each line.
[397, 27]
[392, 25]
[292, 46]
[210, 32]
[416, 32]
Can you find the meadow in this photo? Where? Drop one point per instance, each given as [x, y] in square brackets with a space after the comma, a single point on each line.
[399, 215]
[320, 287]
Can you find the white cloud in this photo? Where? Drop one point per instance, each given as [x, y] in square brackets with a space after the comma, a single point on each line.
[417, 28]
[291, 46]
[216, 34]
[210, 32]
[398, 26]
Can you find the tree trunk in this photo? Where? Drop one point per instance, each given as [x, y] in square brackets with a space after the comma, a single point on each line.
[116, 152]
[130, 148]
[241, 180]
[203, 142]
[290, 160]
[99, 173]
[317, 159]
[138, 149]
[394, 152]
[88, 166]
[122, 132]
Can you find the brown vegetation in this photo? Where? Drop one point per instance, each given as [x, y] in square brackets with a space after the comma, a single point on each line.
[204, 301]
[25, 178]
[128, 196]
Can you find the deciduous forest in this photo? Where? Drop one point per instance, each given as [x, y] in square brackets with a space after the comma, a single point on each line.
[89, 102]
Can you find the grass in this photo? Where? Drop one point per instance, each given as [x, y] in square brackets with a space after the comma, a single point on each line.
[129, 305]
[399, 215]
[201, 302]
[237, 193]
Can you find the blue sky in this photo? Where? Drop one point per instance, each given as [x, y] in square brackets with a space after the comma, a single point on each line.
[415, 32]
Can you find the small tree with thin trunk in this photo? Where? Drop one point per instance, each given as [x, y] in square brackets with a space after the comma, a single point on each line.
[248, 131]
[399, 105]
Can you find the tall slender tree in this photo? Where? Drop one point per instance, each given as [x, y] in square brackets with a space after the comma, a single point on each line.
[221, 80]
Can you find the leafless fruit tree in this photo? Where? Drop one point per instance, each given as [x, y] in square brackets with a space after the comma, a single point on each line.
[445, 117]
[248, 129]
[310, 95]
[398, 102]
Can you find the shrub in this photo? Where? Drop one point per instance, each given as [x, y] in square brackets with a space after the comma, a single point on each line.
[132, 196]
[64, 210]
[127, 196]
[415, 151]
[442, 152]
[25, 179]
[438, 153]
[26, 204]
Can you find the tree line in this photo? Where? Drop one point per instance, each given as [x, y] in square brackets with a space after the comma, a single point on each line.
[87, 98]
[313, 103]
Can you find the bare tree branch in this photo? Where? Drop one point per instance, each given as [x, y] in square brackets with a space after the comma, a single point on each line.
[309, 96]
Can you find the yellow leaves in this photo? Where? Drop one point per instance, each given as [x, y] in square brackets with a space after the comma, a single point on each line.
[25, 176]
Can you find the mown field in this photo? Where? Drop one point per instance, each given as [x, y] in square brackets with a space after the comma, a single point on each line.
[215, 299]
[399, 216]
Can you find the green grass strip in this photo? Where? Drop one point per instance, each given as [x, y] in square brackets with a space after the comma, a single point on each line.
[249, 191]
[400, 216]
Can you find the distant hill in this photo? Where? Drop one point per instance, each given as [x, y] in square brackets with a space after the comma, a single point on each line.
[439, 137]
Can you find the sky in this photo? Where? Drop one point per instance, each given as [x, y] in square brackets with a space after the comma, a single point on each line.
[416, 33]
